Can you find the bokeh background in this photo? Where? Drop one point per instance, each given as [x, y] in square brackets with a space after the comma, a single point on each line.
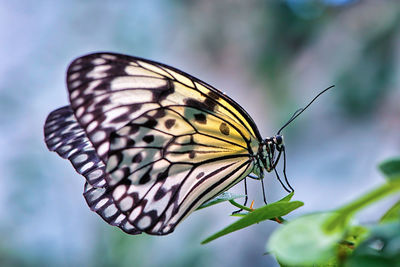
[270, 56]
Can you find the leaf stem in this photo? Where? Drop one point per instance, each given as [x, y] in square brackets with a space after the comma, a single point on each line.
[343, 214]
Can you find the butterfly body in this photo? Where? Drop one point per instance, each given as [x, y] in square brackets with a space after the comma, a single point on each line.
[153, 142]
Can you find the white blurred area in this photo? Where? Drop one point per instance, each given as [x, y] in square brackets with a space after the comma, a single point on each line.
[272, 58]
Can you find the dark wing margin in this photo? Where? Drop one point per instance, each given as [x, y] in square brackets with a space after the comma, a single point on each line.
[100, 201]
[65, 136]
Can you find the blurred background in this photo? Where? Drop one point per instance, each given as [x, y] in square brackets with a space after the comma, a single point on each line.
[270, 56]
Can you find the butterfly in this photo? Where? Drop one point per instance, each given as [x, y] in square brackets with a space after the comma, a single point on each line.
[153, 142]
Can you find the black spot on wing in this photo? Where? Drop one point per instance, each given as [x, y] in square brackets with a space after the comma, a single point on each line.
[200, 118]
[213, 95]
[160, 194]
[148, 138]
[206, 105]
[224, 128]
[125, 181]
[150, 123]
[169, 123]
[160, 113]
[210, 104]
[145, 178]
[137, 158]
[162, 176]
[130, 143]
[201, 174]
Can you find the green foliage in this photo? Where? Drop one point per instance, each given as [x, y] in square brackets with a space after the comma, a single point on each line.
[267, 212]
[390, 167]
[381, 248]
[271, 211]
[330, 238]
[303, 241]
[392, 214]
[340, 220]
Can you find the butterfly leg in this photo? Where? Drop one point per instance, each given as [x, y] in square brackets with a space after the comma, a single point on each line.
[276, 173]
[263, 190]
[246, 197]
[284, 170]
[262, 183]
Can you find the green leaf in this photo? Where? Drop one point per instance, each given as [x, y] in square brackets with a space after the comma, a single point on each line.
[369, 261]
[304, 242]
[239, 214]
[391, 168]
[287, 198]
[225, 196]
[392, 214]
[314, 239]
[234, 203]
[261, 214]
[381, 248]
[340, 219]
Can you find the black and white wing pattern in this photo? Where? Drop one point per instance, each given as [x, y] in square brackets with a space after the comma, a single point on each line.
[65, 136]
[152, 142]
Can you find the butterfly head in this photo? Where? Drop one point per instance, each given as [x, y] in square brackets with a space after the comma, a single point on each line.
[268, 158]
[270, 150]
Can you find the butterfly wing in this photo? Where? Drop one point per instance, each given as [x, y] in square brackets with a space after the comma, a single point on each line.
[166, 141]
[64, 135]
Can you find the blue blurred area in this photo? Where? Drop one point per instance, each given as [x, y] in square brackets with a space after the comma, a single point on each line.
[270, 56]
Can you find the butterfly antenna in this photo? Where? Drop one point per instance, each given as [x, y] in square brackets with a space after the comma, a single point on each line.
[299, 111]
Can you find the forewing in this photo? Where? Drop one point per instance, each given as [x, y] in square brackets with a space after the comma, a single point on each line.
[109, 90]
